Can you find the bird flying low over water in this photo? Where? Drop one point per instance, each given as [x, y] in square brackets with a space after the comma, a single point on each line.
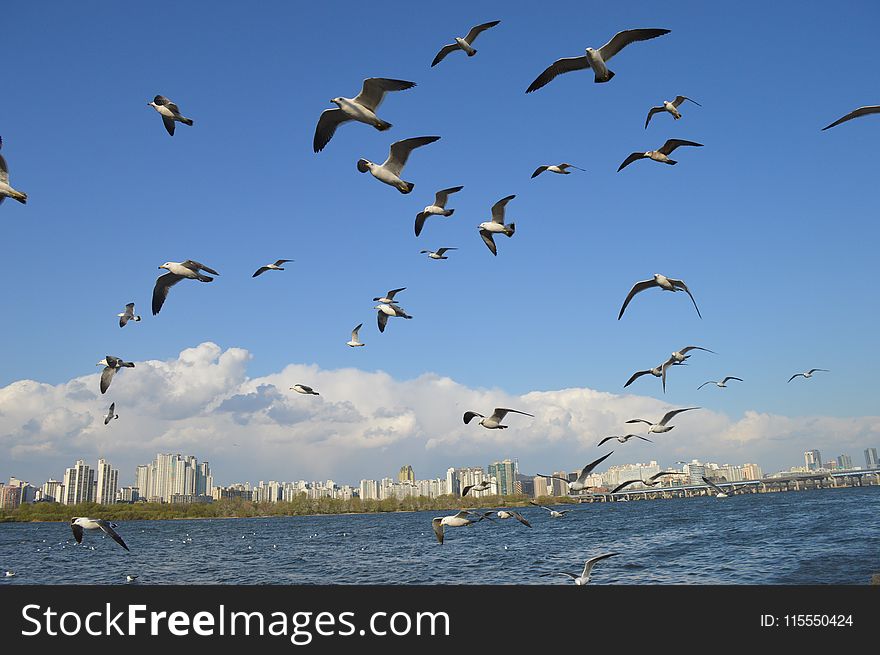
[437, 254]
[661, 154]
[128, 315]
[556, 514]
[79, 524]
[595, 59]
[437, 209]
[464, 43]
[496, 225]
[807, 374]
[719, 383]
[665, 283]
[390, 171]
[493, 422]
[463, 518]
[176, 272]
[650, 482]
[111, 364]
[170, 113]
[670, 107]
[271, 267]
[581, 482]
[388, 309]
[584, 577]
[7, 191]
[301, 388]
[661, 425]
[355, 341]
[361, 108]
[861, 111]
[719, 492]
[560, 169]
[510, 514]
[111, 414]
[622, 439]
[480, 486]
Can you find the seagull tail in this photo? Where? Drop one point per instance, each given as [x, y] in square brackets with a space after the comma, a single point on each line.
[511, 228]
[18, 195]
[671, 162]
[205, 278]
[448, 213]
[383, 125]
[187, 121]
[471, 52]
[607, 77]
[409, 186]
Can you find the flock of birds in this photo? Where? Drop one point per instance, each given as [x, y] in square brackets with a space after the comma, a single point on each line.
[362, 108]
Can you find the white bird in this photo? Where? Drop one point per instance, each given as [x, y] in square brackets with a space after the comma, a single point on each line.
[271, 267]
[665, 283]
[111, 364]
[169, 112]
[622, 439]
[176, 272]
[671, 107]
[496, 225]
[555, 514]
[388, 309]
[389, 172]
[131, 578]
[389, 297]
[455, 521]
[650, 482]
[509, 514]
[719, 383]
[493, 422]
[480, 486]
[581, 482]
[10, 574]
[657, 372]
[437, 254]
[354, 337]
[661, 425]
[807, 374]
[128, 315]
[78, 524]
[861, 111]
[361, 108]
[661, 154]
[719, 492]
[301, 388]
[680, 355]
[464, 43]
[555, 168]
[595, 59]
[111, 414]
[7, 191]
[584, 577]
[437, 209]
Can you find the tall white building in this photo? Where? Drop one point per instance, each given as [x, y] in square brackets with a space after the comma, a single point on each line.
[173, 475]
[106, 483]
[79, 483]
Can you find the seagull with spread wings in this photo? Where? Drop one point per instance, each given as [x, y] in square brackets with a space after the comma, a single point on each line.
[485, 485]
[559, 169]
[663, 282]
[437, 209]
[437, 254]
[661, 426]
[657, 372]
[355, 341]
[496, 225]
[584, 577]
[271, 267]
[389, 297]
[464, 517]
[510, 514]
[555, 514]
[670, 107]
[807, 374]
[304, 389]
[111, 364]
[719, 383]
[622, 439]
[719, 492]
[680, 355]
[78, 524]
[111, 414]
[861, 111]
[653, 481]
[661, 154]
[170, 113]
[384, 310]
[128, 315]
[493, 422]
[464, 43]
[177, 271]
[389, 172]
[581, 482]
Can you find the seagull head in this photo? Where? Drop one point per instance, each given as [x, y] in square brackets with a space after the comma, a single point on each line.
[166, 265]
[103, 362]
[364, 165]
[336, 101]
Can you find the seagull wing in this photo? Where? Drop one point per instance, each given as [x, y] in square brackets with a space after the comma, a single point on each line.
[662, 473]
[438, 529]
[468, 416]
[672, 144]
[441, 197]
[445, 50]
[327, 124]
[634, 377]
[637, 287]
[162, 100]
[629, 160]
[532, 502]
[354, 333]
[163, 286]
[622, 485]
[622, 39]
[680, 284]
[442, 250]
[260, 271]
[668, 416]
[471, 36]
[489, 241]
[522, 519]
[588, 565]
[394, 292]
[553, 477]
[501, 412]
[421, 217]
[689, 348]
[374, 89]
[107, 528]
[4, 171]
[582, 478]
[795, 375]
[498, 209]
[278, 262]
[813, 370]
[400, 152]
[604, 440]
[558, 67]
[651, 113]
[382, 320]
[466, 489]
[77, 532]
[861, 111]
[705, 383]
[680, 99]
[539, 170]
[639, 420]
[712, 484]
[730, 377]
[168, 122]
[196, 266]
[107, 377]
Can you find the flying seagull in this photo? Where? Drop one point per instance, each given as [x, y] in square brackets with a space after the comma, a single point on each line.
[389, 172]
[510, 514]
[463, 518]
[556, 514]
[437, 209]
[354, 338]
[807, 374]
[131, 578]
[661, 425]
[169, 112]
[661, 154]
[581, 483]
[861, 111]
[680, 355]
[361, 108]
[388, 309]
[128, 315]
[9, 574]
[78, 524]
[496, 225]
[389, 297]
[657, 372]
[584, 577]
[111, 364]
[665, 283]
[437, 254]
[720, 493]
[301, 388]
[595, 59]
[493, 422]
[719, 383]
[464, 43]
[622, 439]
[650, 482]
[7, 191]
[555, 168]
[176, 272]
[111, 414]
[671, 107]
[271, 267]
[480, 486]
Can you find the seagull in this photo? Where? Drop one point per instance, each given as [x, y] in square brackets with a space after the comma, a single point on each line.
[661, 426]
[177, 271]
[111, 364]
[169, 112]
[361, 108]
[301, 388]
[680, 355]
[354, 338]
[128, 315]
[657, 372]
[665, 283]
[581, 483]
[553, 513]
[390, 171]
[595, 59]
[7, 191]
[671, 107]
[861, 111]
[78, 524]
[464, 43]
[480, 486]
[271, 267]
[584, 577]
[493, 422]
[111, 414]
[388, 309]
[455, 521]
[496, 225]
[661, 154]
[719, 491]
[650, 482]
[437, 209]
[10, 574]
[389, 297]
[807, 374]
[437, 254]
[509, 514]
[721, 383]
[556, 168]
[131, 578]
[622, 439]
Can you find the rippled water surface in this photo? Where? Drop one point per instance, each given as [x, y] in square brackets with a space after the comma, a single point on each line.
[828, 536]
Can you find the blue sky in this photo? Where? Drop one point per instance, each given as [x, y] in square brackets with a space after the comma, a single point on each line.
[772, 224]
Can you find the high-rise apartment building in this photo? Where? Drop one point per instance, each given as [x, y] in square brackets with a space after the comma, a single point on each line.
[870, 458]
[813, 460]
[79, 484]
[406, 474]
[107, 481]
[505, 474]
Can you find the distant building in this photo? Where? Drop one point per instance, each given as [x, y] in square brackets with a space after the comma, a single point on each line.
[695, 472]
[540, 487]
[813, 460]
[107, 481]
[752, 472]
[844, 462]
[558, 487]
[79, 484]
[870, 458]
[369, 490]
[128, 495]
[52, 491]
[505, 474]
[406, 474]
